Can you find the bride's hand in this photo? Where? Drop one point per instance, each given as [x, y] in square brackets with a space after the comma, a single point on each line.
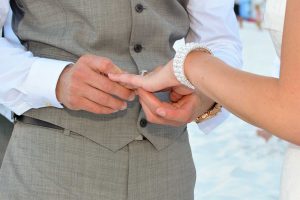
[161, 78]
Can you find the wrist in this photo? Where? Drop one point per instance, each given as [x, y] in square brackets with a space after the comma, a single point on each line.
[209, 108]
[206, 103]
[170, 71]
[194, 64]
[60, 83]
[211, 113]
[179, 61]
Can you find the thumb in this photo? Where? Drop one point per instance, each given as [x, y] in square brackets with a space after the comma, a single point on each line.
[174, 114]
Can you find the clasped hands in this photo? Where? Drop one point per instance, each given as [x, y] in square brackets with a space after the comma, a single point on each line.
[95, 84]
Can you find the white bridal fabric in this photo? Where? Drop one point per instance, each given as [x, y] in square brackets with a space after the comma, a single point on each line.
[290, 183]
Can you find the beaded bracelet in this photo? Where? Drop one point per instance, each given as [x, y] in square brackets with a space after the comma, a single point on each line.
[179, 60]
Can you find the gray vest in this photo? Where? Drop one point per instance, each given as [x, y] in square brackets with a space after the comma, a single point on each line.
[136, 35]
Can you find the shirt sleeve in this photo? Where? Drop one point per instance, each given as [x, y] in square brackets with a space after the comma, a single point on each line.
[4, 8]
[28, 81]
[213, 23]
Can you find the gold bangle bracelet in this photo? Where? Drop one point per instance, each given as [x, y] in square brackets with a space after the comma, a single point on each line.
[212, 112]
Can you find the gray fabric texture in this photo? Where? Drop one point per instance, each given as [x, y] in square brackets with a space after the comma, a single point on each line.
[49, 164]
[68, 29]
[5, 133]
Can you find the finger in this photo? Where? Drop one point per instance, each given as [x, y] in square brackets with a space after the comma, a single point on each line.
[149, 99]
[153, 103]
[105, 84]
[175, 97]
[135, 81]
[181, 112]
[183, 90]
[157, 80]
[104, 99]
[93, 107]
[126, 85]
[155, 119]
[100, 64]
[150, 82]
[178, 115]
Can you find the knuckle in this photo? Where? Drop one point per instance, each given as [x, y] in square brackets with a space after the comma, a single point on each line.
[106, 61]
[78, 74]
[106, 64]
[84, 58]
[108, 87]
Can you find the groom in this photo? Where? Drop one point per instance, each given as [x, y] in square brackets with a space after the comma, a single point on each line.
[101, 145]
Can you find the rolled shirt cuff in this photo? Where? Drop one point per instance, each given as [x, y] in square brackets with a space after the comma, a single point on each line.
[40, 84]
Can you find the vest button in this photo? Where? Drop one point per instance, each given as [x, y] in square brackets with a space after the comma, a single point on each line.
[138, 48]
[139, 8]
[143, 123]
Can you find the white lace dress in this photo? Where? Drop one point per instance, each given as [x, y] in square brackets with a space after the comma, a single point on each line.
[290, 182]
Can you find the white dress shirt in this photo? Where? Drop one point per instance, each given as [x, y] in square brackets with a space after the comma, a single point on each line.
[29, 82]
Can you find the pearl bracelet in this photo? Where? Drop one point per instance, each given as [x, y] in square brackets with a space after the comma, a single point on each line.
[179, 60]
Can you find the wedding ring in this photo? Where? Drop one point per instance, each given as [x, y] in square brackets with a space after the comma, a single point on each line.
[143, 72]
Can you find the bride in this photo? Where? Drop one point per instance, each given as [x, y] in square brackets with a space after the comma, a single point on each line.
[276, 101]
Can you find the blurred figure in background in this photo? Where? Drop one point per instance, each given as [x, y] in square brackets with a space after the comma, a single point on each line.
[237, 12]
[264, 134]
[245, 9]
[250, 10]
[258, 7]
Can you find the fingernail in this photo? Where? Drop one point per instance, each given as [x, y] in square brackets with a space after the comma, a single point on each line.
[161, 112]
[124, 107]
[131, 97]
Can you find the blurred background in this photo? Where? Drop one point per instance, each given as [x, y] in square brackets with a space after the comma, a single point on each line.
[239, 161]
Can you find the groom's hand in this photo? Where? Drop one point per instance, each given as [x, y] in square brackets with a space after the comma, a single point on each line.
[182, 110]
[85, 86]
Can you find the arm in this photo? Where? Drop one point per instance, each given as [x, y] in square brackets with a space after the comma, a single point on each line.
[27, 85]
[214, 24]
[270, 103]
[276, 101]
[33, 82]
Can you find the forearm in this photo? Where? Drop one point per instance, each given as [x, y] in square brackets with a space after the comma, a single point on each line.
[262, 101]
[214, 24]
